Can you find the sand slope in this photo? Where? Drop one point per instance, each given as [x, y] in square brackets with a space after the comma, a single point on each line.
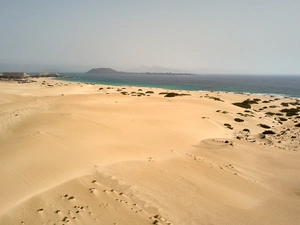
[75, 153]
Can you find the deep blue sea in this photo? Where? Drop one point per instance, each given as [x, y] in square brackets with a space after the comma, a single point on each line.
[278, 85]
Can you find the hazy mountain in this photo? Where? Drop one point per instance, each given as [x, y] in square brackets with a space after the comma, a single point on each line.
[152, 70]
[103, 71]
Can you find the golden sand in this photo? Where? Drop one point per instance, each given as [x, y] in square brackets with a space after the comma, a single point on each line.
[74, 153]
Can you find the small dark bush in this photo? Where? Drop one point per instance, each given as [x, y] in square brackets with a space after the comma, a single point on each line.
[264, 126]
[268, 132]
[270, 113]
[228, 126]
[297, 125]
[278, 114]
[171, 94]
[282, 119]
[242, 105]
[238, 120]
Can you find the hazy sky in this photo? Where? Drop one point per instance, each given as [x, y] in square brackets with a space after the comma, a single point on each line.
[223, 36]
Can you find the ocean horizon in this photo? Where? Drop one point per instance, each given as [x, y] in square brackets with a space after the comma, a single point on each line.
[276, 85]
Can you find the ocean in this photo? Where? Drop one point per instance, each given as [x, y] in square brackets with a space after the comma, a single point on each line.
[277, 85]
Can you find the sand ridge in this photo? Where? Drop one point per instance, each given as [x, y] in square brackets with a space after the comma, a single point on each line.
[90, 154]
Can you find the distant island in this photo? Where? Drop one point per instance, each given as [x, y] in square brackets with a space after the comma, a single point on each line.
[107, 71]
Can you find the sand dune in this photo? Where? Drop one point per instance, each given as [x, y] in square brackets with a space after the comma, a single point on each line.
[74, 153]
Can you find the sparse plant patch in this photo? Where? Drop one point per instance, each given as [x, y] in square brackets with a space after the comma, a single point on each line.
[173, 94]
[291, 111]
[247, 103]
[214, 98]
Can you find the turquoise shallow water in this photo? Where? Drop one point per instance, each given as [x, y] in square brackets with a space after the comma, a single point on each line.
[281, 85]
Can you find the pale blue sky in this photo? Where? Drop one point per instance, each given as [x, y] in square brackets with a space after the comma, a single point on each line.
[214, 36]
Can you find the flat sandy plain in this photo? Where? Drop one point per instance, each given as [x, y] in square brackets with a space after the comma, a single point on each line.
[75, 153]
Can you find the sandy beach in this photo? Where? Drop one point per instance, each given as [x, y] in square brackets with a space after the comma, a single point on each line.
[76, 153]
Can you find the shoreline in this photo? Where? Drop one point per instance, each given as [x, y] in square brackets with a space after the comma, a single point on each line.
[92, 153]
[165, 86]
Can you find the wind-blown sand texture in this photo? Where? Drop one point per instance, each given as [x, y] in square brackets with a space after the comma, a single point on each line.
[74, 153]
